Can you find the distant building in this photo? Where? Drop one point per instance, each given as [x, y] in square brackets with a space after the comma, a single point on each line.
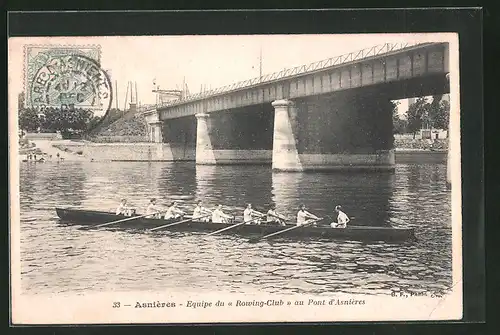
[433, 134]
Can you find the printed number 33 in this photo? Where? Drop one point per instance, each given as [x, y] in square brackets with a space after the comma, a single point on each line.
[116, 305]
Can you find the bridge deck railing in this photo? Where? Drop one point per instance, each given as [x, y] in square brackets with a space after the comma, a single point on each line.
[298, 70]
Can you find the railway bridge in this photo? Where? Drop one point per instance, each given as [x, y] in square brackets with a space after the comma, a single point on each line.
[328, 115]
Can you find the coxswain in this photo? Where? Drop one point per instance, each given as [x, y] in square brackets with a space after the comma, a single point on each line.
[152, 211]
[218, 216]
[123, 209]
[250, 215]
[304, 217]
[201, 213]
[342, 218]
[173, 212]
[274, 217]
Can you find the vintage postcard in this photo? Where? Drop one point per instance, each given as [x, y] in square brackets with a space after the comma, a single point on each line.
[233, 179]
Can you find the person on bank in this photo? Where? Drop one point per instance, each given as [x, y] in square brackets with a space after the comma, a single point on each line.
[304, 217]
[342, 218]
[173, 212]
[275, 217]
[201, 213]
[124, 209]
[250, 215]
[152, 211]
[218, 216]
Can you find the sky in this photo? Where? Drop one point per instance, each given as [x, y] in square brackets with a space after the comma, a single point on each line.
[213, 61]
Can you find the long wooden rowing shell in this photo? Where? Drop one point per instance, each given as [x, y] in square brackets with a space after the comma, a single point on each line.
[89, 218]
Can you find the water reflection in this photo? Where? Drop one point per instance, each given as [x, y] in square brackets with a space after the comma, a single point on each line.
[60, 258]
[364, 196]
[220, 184]
[177, 180]
[56, 183]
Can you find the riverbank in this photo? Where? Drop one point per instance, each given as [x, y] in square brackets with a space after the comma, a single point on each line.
[409, 156]
[69, 150]
[157, 152]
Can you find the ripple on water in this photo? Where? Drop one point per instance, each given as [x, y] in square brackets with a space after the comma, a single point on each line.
[59, 258]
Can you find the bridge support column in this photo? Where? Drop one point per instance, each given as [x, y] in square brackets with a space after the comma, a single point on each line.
[347, 131]
[285, 154]
[204, 149]
[155, 135]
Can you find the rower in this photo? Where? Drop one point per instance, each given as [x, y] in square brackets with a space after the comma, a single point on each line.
[303, 216]
[218, 216]
[152, 210]
[123, 208]
[173, 212]
[274, 217]
[342, 218]
[249, 214]
[200, 211]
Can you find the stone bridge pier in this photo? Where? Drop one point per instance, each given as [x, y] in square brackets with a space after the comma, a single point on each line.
[345, 131]
[171, 140]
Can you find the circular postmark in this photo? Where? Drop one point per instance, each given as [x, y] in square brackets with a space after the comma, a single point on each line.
[67, 81]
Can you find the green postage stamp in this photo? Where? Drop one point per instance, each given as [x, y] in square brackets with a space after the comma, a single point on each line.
[63, 76]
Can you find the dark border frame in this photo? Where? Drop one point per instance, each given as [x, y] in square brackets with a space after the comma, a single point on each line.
[467, 22]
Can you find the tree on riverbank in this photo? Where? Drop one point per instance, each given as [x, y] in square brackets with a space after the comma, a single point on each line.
[430, 115]
[415, 114]
[439, 113]
[398, 124]
[65, 120]
[29, 119]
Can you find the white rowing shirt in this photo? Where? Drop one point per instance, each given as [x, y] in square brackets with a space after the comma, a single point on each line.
[342, 218]
[218, 216]
[122, 209]
[198, 211]
[202, 213]
[172, 212]
[151, 210]
[247, 214]
[271, 215]
[302, 217]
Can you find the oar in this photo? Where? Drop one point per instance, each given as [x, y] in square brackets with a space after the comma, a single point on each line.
[179, 222]
[256, 239]
[127, 219]
[231, 227]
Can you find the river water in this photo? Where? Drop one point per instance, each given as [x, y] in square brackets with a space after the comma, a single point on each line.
[59, 258]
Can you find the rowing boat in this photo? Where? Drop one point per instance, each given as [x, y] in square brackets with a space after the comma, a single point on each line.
[89, 218]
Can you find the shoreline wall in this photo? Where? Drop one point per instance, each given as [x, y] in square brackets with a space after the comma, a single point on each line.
[130, 151]
[420, 144]
[151, 152]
